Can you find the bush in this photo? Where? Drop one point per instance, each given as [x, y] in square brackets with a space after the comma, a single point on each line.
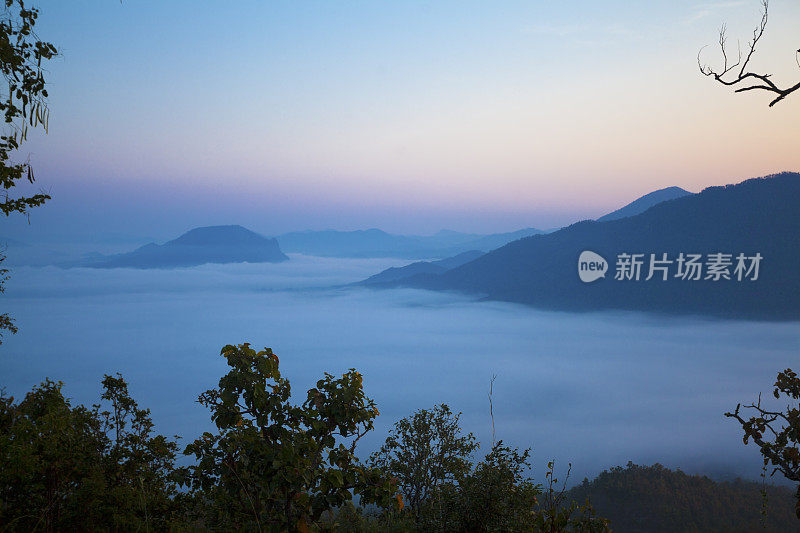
[66, 468]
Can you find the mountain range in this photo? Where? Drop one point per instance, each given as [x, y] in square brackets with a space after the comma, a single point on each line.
[392, 276]
[444, 244]
[758, 217]
[225, 244]
[378, 243]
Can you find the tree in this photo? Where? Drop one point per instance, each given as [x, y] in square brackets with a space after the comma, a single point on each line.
[424, 452]
[431, 458]
[276, 466]
[22, 54]
[70, 468]
[138, 463]
[6, 322]
[497, 495]
[777, 433]
[737, 74]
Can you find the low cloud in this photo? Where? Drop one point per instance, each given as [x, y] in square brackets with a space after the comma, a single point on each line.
[594, 389]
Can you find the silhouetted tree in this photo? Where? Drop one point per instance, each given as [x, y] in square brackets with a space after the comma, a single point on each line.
[777, 433]
[65, 468]
[424, 452]
[430, 456]
[737, 74]
[21, 56]
[275, 466]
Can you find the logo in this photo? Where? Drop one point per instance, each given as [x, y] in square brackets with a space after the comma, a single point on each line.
[591, 266]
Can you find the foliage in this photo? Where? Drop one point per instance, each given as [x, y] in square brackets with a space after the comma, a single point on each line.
[496, 496]
[6, 322]
[358, 519]
[777, 433]
[272, 465]
[21, 57]
[499, 496]
[424, 452]
[276, 466]
[66, 467]
[557, 513]
[430, 456]
[655, 498]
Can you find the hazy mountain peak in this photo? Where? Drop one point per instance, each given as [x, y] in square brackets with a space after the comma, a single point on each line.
[218, 235]
[645, 202]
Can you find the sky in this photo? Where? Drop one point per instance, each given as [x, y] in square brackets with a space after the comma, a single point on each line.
[409, 116]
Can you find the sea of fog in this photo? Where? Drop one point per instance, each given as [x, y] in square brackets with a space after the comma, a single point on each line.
[597, 390]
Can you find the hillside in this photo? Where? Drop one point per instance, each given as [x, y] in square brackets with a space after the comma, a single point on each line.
[657, 499]
[394, 274]
[757, 216]
[212, 244]
[642, 204]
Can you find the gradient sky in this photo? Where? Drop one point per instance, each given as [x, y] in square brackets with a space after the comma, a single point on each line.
[409, 116]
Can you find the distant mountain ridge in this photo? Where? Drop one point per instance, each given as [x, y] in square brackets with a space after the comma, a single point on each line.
[756, 216]
[378, 243]
[395, 274]
[444, 244]
[211, 244]
[656, 499]
[643, 203]
[491, 242]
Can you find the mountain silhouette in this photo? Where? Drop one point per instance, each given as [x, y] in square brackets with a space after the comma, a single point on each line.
[643, 203]
[378, 243]
[212, 244]
[757, 216]
[394, 274]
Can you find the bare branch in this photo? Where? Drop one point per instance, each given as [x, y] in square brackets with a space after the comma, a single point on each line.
[491, 406]
[760, 82]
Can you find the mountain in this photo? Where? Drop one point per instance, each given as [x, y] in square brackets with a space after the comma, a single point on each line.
[360, 243]
[757, 216]
[642, 204]
[212, 244]
[657, 499]
[445, 243]
[378, 243]
[395, 274]
[490, 242]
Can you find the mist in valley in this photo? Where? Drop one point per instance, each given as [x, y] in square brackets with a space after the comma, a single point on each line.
[593, 389]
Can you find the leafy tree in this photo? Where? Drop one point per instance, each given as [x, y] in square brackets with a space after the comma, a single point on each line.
[138, 464]
[21, 56]
[276, 466]
[74, 468]
[497, 495]
[424, 452]
[430, 457]
[777, 433]
[6, 322]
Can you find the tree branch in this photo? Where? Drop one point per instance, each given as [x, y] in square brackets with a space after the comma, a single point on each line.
[762, 81]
